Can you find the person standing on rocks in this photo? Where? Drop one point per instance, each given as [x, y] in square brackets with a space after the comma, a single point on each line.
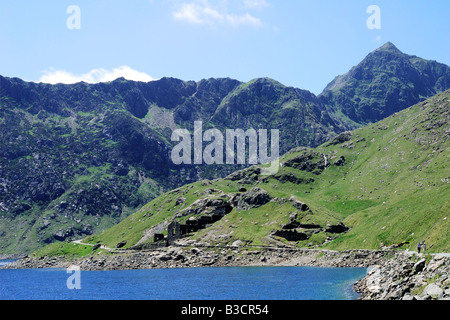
[419, 245]
[424, 246]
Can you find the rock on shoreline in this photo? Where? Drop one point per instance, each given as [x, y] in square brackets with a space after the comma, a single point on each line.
[408, 276]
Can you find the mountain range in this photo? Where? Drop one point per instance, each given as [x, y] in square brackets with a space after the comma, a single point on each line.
[77, 159]
[382, 186]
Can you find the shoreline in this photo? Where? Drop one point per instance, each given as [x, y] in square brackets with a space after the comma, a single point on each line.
[193, 257]
[391, 274]
[12, 256]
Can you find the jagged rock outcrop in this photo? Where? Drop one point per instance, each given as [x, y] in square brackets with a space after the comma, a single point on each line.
[207, 206]
[254, 198]
[308, 161]
[299, 205]
[408, 277]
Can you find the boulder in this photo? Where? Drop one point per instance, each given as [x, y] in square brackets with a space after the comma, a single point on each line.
[299, 205]
[343, 137]
[433, 291]
[207, 205]
[195, 251]
[340, 162]
[237, 243]
[435, 264]
[180, 200]
[420, 265]
[254, 198]
[121, 244]
[165, 257]
[308, 161]
[293, 224]
[63, 234]
[373, 279]
[245, 176]
[395, 295]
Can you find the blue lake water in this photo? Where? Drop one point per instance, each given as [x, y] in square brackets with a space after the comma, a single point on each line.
[240, 283]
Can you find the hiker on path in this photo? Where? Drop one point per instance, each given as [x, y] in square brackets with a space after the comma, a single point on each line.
[424, 246]
[419, 245]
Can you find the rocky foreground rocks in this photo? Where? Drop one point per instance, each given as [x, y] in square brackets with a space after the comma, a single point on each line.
[408, 276]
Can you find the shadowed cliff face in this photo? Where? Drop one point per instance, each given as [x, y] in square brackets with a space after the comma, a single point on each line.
[76, 159]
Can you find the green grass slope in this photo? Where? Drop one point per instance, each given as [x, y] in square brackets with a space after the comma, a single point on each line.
[387, 182]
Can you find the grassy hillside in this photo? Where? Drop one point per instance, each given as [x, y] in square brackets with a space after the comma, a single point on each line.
[383, 185]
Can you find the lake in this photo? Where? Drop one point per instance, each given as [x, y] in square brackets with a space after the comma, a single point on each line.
[230, 283]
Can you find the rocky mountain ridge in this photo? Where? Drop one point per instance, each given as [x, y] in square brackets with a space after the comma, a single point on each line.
[77, 159]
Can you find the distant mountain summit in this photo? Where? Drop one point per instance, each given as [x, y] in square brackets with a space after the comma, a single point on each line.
[385, 82]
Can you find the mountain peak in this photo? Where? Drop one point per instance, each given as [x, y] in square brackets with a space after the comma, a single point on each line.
[396, 81]
[388, 49]
[389, 46]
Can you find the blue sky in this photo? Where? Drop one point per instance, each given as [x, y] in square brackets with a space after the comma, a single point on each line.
[300, 43]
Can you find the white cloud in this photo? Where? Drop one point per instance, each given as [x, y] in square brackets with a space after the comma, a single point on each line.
[94, 76]
[237, 20]
[256, 4]
[202, 12]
